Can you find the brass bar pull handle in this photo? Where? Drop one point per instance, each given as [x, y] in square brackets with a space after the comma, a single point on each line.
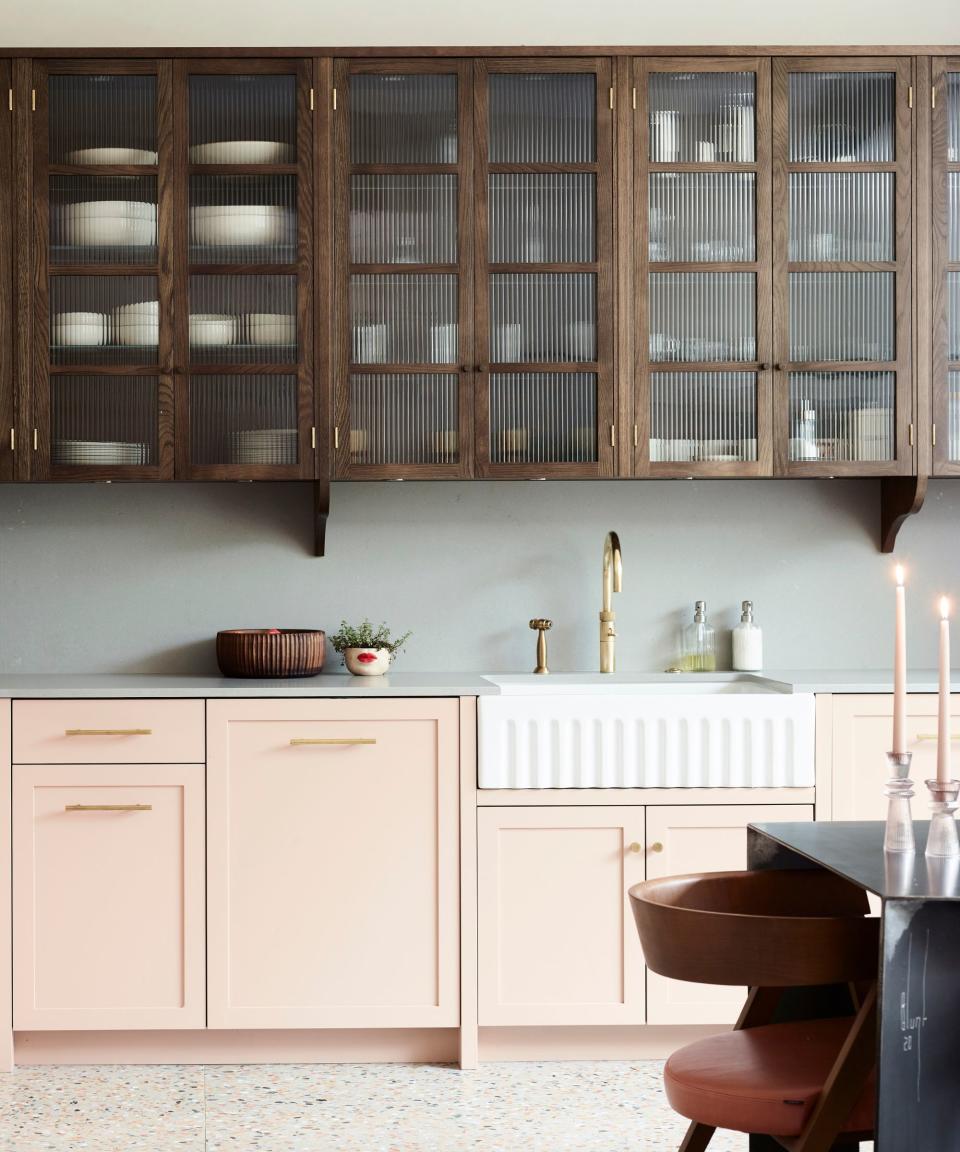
[934, 736]
[108, 808]
[108, 732]
[333, 740]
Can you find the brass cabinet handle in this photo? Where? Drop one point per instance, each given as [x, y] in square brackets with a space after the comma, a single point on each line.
[108, 808]
[656, 846]
[934, 736]
[634, 847]
[108, 732]
[333, 740]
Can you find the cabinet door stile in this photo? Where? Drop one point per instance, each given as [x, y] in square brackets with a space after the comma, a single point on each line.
[945, 298]
[6, 284]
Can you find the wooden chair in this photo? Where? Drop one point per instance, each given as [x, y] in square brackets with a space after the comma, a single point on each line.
[806, 1085]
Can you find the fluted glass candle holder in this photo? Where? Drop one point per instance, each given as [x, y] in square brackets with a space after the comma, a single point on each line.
[899, 833]
[942, 839]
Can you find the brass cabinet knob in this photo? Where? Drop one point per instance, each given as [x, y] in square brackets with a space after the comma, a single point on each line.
[656, 846]
[634, 847]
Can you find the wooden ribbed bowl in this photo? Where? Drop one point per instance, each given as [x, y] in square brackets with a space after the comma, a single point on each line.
[261, 652]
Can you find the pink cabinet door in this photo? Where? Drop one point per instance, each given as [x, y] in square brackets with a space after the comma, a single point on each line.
[6, 970]
[702, 838]
[108, 896]
[557, 944]
[333, 866]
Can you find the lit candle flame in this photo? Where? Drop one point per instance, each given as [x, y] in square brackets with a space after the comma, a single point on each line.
[899, 574]
[944, 608]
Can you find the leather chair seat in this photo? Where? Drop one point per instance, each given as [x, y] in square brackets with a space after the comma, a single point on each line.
[762, 1080]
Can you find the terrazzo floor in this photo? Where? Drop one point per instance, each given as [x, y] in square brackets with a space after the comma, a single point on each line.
[555, 1107]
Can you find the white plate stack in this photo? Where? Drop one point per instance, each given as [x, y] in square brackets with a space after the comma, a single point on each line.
[102, 452]
[130, 223]
[241, 152]
[271, 328]
[265, 446]
[242, 224]
[112, 156]
[138, 325]
[212, 329]
[79, 329]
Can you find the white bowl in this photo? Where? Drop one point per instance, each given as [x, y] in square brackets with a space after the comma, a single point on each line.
[202, 210]
[140, 333]
[211, 330]
[258, 227]
[120, 230]
[85, 209]
[140, 308]
[112, 156]
[271, 328]
[241, 152]
[68, 330]
[97, 318]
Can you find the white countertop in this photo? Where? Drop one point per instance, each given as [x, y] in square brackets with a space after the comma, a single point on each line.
[405, 684]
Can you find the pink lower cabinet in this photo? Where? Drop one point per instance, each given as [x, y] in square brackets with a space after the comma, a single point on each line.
[333, 866]
[108, 896]
[557, 943]
[702, 838]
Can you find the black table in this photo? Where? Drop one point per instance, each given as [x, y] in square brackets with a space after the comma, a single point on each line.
[918, 1059]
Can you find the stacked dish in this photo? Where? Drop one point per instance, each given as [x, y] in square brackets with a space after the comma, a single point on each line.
[112, 156]
[86, 452]
[212, 329]
[271, 328]
[265, 446]
[138, 324]
[79, 329]
[132, 223]
[241, 152]
[241, 224]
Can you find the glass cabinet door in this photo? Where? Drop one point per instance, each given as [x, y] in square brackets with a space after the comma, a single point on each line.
[102, 391]
[842, 266]
[404, 357]
[946, 267]
[544, 400]
[703, 258]
[244, 330]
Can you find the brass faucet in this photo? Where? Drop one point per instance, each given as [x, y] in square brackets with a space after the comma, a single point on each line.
[612, 580]
[542, 627]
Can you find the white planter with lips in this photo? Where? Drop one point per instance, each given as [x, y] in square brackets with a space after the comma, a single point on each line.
[367, 661]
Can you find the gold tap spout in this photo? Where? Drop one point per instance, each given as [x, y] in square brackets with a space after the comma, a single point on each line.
[612, 582]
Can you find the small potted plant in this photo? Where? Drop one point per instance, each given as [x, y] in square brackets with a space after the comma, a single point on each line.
[367, 651]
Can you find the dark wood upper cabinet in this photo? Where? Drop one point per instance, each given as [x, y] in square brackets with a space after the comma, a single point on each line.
[702, 228]
[7, 427]
[945, 157]
[842, 287]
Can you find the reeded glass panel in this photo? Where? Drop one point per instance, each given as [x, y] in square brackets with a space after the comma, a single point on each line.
[543, 218]
[700, 117]
[403, 319]
[953, 413]
[104, 320]
[103, 119]
[103, 219]
[953, 216]
[702, 216]
[842, 316]
[243, 119]
[103, 420]
[401, 418]
[953, 315]
[542, 118]
[842, 416]
[243, 219]
[403, 219]
[841, 215]
[841, 117]
[404, 119]
[243, 319]
[247, 420]
[543, 417]
[703, 316]
[709, 416]
[953, 117]
[543, 317]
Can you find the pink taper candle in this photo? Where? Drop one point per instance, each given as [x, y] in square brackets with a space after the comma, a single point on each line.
[943, 715]
[900, 669]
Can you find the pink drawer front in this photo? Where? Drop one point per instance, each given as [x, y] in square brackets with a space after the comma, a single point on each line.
[108, 732]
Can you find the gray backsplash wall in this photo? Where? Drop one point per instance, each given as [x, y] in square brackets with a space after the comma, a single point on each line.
[138, 578]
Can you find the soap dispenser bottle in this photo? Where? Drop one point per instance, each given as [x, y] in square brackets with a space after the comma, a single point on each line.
[747, 642]
[698, 650]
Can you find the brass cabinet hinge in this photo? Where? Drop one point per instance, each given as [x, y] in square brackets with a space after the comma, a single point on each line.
[336, 437]
[611, 97]
[334, 99]
[313, 438]
[311, 100]
[911, 435]
[634, 99]
[910, 96]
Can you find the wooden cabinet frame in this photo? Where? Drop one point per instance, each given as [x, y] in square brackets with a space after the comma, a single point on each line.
[7, 431]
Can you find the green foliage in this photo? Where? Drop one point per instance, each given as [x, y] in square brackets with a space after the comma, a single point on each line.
[365, 636]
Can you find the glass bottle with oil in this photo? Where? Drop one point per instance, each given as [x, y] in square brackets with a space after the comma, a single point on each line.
[698, 651]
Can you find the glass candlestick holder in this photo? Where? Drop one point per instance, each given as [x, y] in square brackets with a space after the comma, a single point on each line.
[899, 833]
[942, 839]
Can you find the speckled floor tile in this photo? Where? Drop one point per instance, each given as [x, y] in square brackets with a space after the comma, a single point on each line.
[102, 1109]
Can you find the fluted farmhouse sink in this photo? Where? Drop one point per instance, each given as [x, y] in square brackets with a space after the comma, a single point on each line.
[636, 731]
